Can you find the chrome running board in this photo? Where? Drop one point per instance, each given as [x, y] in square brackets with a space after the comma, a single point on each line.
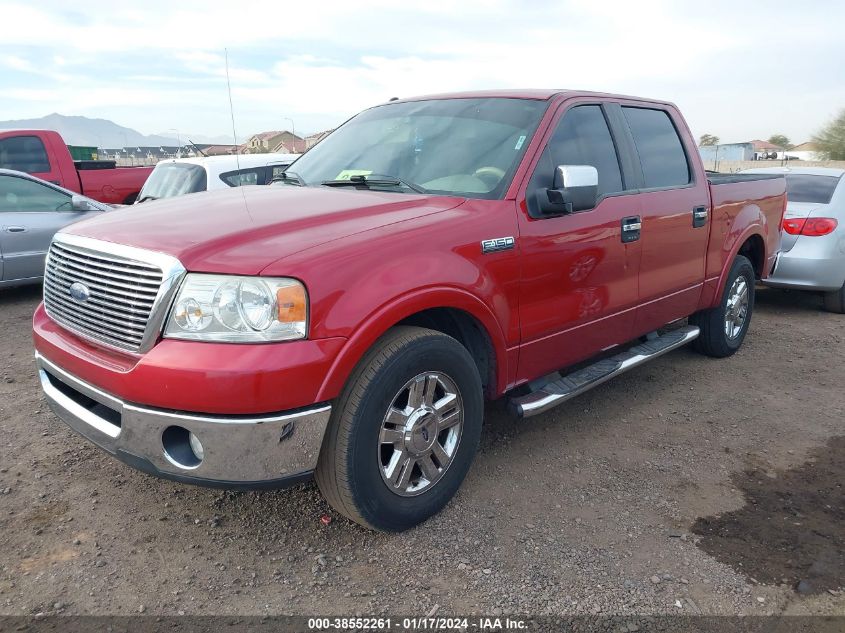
[566, 387]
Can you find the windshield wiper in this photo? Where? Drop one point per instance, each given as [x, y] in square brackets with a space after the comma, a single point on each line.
[374, 180]
[147, 197]
[289, 178]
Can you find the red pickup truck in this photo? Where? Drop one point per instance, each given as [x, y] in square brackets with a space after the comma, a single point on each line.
[43, 153]
[349, 321]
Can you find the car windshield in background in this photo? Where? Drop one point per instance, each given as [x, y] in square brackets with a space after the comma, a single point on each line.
[466, 147]
[809, 188]
[173, 179]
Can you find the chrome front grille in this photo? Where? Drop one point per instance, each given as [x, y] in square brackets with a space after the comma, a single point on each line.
[107, 292]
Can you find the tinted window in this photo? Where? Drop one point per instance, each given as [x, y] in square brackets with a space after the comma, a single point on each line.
[243, 177]
[581, 138]
[24, 153]
[22, 195]
[278, 170]
[806, 188]
[173, 179]
[659, 147]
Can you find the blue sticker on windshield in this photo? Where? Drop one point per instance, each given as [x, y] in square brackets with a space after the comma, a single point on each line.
[519, 142]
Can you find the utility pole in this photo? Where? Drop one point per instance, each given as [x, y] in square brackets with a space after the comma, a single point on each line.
[178, 140]
[292, 131]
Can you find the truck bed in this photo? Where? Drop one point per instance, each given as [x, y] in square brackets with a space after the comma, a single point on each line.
[739, 200]
[715, 178]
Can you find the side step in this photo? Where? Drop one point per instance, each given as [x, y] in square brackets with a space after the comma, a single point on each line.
[558, 391]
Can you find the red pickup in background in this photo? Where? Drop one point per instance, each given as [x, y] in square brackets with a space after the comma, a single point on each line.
[43, 153]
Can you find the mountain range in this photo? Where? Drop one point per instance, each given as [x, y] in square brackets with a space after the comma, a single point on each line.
[80, 130]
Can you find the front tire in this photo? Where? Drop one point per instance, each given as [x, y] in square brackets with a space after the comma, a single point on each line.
[834, 301]
[724, 327]
[404, 431]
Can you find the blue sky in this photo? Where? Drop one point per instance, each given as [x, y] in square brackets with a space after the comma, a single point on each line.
[739, 70]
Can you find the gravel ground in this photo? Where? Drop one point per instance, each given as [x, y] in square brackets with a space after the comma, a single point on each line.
[588, 509]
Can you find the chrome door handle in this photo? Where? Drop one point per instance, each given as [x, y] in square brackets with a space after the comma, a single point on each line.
[631, 227]
[699, 217]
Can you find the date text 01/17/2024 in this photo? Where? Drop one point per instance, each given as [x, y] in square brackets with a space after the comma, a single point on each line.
[416, 624]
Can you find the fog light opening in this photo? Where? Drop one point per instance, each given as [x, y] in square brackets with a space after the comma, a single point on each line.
[196, 446]
[182, 448]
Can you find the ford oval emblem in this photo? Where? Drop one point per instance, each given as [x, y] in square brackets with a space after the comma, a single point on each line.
[79, 292]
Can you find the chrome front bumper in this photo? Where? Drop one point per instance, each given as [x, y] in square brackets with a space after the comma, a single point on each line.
[237, 451]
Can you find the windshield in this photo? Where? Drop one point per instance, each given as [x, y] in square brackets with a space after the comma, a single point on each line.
[807, 188]
[173, 179]
[466, 147]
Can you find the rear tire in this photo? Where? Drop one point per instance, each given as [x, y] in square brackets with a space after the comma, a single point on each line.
[834, 301]
[379, 465]
[724, 327]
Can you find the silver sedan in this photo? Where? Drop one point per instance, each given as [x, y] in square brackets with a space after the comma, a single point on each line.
[812, 250]
[31, 211]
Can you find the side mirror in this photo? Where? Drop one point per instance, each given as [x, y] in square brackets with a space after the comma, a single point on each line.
[81, 203]
[575, 188]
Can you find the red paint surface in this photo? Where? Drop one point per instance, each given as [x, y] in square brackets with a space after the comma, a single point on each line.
[112, 186]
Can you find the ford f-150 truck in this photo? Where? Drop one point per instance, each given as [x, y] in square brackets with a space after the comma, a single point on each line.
[349, 321]
[43, 153]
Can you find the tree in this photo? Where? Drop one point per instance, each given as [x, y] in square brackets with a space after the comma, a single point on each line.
[707, 139]
[780, 140]
[830, 140]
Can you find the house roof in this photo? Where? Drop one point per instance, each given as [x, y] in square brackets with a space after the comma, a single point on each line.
[761, 145]
[266, 136]
[808, 146]
[287, 141]
[216, 150]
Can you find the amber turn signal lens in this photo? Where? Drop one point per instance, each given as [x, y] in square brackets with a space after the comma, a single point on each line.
[291, 301]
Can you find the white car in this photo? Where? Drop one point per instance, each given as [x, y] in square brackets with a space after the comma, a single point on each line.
[178, 176]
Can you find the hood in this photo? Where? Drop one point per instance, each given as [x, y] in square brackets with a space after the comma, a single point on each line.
[245, 229]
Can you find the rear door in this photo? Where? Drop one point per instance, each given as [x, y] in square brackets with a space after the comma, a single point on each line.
[30, 214]
[579, 274]
[675, 216]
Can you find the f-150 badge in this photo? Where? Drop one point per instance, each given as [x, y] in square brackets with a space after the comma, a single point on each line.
[497, 244]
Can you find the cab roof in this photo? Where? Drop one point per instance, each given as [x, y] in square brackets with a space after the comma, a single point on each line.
[537, 94]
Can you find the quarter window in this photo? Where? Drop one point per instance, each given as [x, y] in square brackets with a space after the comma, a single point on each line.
[659, 147]
[242, 177]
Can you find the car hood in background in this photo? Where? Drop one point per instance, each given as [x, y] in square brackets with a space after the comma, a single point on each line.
[243, 230]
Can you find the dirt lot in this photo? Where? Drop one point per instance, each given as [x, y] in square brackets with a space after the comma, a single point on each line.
[630, 500]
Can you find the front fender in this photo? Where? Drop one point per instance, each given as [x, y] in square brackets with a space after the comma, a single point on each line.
[391, 313]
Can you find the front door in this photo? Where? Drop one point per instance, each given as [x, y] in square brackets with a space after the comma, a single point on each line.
[579, 273]
[30, 214]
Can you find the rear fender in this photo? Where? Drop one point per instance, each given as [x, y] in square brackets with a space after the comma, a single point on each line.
[748, 222]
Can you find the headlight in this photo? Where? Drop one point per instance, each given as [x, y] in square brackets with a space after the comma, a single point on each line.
[238, 309]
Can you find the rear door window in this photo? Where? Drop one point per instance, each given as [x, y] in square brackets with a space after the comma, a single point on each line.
[664, 162]
[810, 188]
[24, 153]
